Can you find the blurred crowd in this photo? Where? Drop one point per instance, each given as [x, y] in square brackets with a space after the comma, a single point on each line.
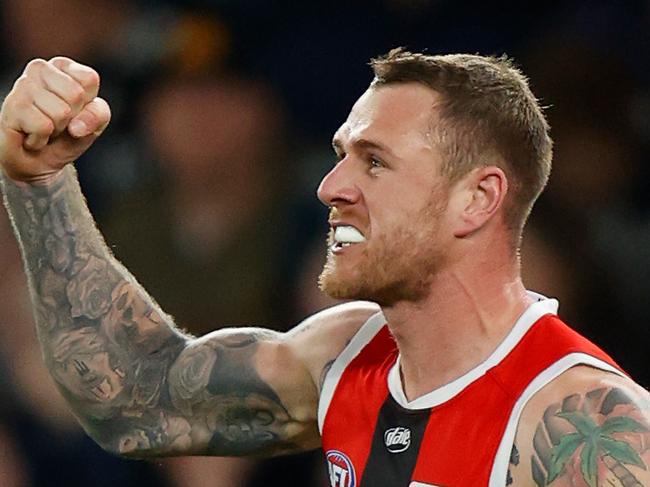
[204, 184]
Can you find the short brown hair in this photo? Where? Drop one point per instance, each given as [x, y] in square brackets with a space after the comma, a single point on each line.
[487, 115]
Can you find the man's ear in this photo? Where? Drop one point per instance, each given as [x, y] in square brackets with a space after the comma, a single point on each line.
[484, 189]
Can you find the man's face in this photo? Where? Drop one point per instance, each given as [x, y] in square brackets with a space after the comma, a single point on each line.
[388, 200]
[83, 366]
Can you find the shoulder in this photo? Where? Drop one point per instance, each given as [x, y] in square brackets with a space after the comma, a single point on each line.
[586, 428]
[350, 315]
[319, 339]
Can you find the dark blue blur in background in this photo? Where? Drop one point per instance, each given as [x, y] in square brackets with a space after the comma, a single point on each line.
[204, 184]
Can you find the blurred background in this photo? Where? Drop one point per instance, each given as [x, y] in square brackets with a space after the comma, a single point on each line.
[204, 184]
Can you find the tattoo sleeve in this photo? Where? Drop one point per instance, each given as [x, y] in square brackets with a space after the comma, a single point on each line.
[596, 439]
[138, 385]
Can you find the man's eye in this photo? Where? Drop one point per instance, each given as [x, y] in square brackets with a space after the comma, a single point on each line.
[374, 162]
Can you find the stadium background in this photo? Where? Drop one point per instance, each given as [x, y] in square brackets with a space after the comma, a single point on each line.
[204, 183]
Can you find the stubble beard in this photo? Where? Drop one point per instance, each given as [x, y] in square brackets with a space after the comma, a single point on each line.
[392, 268]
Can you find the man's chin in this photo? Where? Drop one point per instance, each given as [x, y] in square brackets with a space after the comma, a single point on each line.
[346, 289]
[387, 295]
[340, 293]
[336, 286]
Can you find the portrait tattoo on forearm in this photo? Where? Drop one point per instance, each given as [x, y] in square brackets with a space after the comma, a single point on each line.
[138, 384]
[596, 439]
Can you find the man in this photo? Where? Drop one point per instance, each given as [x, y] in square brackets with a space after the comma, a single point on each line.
[460, 378]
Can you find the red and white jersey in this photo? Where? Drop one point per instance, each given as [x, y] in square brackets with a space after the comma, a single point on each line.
[459, 435]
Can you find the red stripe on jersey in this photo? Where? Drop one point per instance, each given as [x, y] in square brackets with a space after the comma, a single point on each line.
[464, 433]
[363, 388]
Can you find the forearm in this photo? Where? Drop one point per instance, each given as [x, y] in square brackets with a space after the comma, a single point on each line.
[138, 385]
[107, 345]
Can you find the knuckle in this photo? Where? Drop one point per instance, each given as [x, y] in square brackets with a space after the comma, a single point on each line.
[89, 78]
[61, 114]
[102, 107]
[93, 76]
[64, 112]
[22, 106]
[35, 64]
[23, 82]
[59, 61]
[24, 88]
[77, 94]
[44, 126]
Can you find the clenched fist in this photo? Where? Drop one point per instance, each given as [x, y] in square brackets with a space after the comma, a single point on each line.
[50, 117]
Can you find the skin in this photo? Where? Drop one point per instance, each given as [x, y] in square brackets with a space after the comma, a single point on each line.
[449, 241]
[375, 159]
[600, 397]
[465, 238]
[138, 385]
[141, 387]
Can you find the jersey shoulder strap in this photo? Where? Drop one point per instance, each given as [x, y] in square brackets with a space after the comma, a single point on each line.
[550, 339]
[368, 331]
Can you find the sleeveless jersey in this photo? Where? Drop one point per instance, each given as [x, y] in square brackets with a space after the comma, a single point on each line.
[459, 435]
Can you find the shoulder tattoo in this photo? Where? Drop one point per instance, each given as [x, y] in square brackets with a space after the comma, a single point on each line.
[601, 438]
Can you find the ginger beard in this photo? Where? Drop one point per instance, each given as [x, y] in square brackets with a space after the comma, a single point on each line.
[392, 267]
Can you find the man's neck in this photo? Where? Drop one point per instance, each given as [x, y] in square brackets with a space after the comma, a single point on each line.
[460, 323]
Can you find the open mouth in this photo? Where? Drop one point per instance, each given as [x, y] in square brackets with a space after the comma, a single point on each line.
[345, 236]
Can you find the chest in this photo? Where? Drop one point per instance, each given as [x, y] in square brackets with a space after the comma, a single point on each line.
[459, 435]
[370, 440]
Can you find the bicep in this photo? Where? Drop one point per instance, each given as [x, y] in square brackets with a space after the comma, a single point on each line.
[319, 340]
[589, 429]
[233, 392]
[244, 391]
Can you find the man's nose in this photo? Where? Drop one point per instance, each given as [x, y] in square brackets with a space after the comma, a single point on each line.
[339, 185]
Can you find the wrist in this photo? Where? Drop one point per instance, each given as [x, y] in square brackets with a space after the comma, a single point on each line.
[41, 180]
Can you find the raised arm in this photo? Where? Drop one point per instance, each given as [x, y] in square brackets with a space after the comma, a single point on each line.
[138, 385]
[586, 428]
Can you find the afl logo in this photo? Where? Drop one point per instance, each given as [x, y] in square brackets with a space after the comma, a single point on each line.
[340, 469]
[397, 439]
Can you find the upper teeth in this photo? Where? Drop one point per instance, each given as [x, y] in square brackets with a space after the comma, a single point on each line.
[348, 234]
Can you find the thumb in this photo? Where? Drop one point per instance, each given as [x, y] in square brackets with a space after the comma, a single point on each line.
[92, 119]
